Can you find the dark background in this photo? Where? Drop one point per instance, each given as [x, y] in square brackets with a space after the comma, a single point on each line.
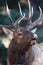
[13, 3]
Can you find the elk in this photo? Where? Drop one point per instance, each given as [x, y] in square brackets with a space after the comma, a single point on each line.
[23, 48]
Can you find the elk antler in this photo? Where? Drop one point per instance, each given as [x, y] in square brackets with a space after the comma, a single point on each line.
[14, 25]
[30, 12]
[22, 17]
[9, 15]
[35, 23]
[29, 17]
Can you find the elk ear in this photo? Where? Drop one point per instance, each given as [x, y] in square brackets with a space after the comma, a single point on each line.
[7, 31]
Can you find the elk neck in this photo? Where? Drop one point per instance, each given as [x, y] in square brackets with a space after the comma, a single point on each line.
[29, 57]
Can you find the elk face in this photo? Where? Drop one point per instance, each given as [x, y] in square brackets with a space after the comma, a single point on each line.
[23, 35]
[23, 38]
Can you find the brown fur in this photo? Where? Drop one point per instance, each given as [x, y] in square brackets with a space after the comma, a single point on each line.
[19, 46]
[23, 49]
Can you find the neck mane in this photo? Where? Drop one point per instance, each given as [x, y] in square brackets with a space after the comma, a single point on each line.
[29, 57]
[26, 57]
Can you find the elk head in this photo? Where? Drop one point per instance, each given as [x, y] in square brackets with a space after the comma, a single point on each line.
[23, 37]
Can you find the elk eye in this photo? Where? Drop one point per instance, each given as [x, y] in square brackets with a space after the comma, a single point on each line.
[20, 35]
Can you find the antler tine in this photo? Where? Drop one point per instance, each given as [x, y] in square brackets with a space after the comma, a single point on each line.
[35, 23]
[21, 14]
[30, 12]
[20, 9]
[29, 9]
[17, 22]
[9, 15]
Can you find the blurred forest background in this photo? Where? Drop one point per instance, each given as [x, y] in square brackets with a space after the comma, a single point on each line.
[13, 5]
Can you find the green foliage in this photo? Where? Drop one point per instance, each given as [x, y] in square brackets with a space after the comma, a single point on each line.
[3, 54]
